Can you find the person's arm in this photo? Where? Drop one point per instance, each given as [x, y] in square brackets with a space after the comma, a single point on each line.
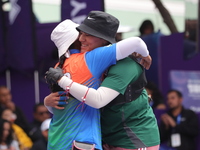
[133, 45]
[164, 131]
[94, 98]
[50, 108]
[188, 127]
[52, 100]
[102, 96]
[129, 46]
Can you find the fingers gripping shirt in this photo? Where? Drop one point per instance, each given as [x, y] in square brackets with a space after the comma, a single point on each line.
[72, 123]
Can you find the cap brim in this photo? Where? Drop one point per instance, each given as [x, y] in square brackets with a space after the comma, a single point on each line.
[63, 50]
[65, 47]
[93, 32]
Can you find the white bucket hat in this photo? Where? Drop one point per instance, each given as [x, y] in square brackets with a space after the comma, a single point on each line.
[63, 35]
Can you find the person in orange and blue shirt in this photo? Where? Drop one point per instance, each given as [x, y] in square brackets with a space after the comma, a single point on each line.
[76, 120]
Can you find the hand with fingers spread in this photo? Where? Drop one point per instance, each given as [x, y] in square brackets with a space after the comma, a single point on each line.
[56, 100]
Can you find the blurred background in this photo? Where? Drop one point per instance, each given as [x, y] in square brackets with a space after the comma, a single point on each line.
[170, 28]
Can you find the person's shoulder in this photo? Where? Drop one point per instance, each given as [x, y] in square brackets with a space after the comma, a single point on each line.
[190, 112]
[126, 67]
[39, 144]
[102, 53]
[103, 48]
[17, 128]
[128, 61]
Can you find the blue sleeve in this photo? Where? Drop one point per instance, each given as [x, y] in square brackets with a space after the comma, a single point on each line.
[99, 59]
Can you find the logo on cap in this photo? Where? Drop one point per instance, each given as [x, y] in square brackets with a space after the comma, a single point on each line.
[90, 18]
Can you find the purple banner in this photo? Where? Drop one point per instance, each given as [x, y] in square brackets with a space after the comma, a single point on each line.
[22, 85]
[152, 42]
[77, 10]
[2, 48]
[47, 51]
[170, 57]
[20, 38]
[188, 83]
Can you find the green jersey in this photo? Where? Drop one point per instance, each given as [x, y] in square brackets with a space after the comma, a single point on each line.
[130, 125]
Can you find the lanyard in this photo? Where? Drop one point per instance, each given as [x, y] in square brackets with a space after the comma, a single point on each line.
[178, 119]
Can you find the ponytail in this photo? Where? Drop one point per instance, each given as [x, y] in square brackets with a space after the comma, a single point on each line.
[61, 61]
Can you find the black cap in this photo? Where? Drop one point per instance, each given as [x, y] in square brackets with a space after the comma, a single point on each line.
[100, 24]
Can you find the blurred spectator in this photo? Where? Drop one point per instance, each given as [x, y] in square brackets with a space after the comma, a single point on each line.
[42, 143]
[40, 113]
[152, 40]
[179, 126]
[190, 48]
[6, 102]
[7, 141]
[157, 97]
[146, 28]
[24, 141]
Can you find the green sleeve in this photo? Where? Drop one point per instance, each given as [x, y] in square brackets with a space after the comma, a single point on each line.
[122, 74]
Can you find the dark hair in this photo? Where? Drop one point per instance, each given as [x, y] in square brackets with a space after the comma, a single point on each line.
[178, 93]
[10, 137]
[156, 93]
[3, 86]
[36, 106]
[63, 58]
[61, 61]
[146, 24]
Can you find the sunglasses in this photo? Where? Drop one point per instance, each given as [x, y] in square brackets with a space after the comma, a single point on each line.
[42, 113]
